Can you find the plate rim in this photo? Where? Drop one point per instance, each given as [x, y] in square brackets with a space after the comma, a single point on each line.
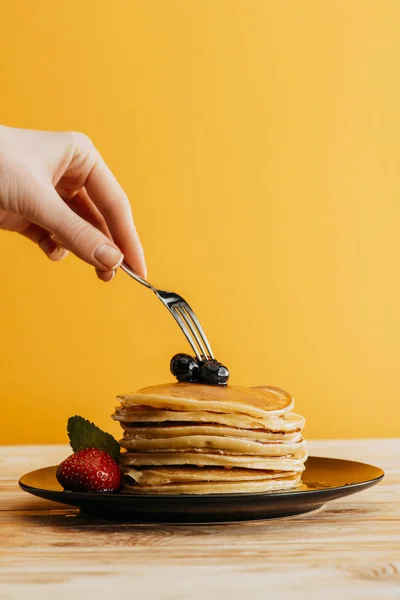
[220, 496]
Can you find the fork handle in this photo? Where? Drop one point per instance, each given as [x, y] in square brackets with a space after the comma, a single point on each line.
[125, 267]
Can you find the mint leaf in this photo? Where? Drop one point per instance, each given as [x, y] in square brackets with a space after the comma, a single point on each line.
[84, 434]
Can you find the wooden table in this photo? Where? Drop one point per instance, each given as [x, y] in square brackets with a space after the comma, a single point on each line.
[350, 549]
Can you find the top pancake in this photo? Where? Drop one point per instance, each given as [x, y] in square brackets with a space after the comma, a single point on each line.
[256, 402]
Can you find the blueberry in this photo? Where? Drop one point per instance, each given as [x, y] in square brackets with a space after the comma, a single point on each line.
[184, 367]
[214, 373]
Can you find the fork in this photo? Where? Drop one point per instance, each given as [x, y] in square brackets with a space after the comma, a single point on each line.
[183, 315]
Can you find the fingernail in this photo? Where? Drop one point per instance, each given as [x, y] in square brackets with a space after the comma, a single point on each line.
[59, 254]
[144, 267]
[108, 256]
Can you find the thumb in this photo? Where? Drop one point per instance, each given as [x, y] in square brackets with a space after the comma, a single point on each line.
[76, 234]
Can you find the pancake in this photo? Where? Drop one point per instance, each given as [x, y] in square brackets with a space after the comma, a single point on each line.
[186, 438]
[202, 459]
[255, 402]
[162, 430]
[226, 444]
[192, 480]
[130, 414]
[206, 487]
[166, 475]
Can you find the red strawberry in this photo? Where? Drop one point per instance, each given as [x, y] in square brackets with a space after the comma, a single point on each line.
[89, 470]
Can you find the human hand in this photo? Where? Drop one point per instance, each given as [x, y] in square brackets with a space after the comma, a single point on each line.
[56, 190]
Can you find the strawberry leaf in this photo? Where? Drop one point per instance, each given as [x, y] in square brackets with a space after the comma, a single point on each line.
[84, 434]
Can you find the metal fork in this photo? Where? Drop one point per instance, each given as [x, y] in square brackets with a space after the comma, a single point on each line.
[183, 315]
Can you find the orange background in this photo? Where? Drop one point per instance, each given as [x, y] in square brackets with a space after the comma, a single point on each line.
[259, 144]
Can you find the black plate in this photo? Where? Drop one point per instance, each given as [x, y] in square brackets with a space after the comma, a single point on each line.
[324, 479]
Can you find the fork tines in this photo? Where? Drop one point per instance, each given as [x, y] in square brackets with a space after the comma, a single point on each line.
[192, 330]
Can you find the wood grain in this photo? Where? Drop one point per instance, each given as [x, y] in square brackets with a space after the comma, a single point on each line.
[349, 549]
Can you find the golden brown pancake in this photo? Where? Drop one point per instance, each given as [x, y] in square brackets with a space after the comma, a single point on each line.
[166, 475]
[201, 439]
[206, 487]
[214, 443]
[256, 402]
[201, 459]
[192, 480]
[165, 430]
[287, 421]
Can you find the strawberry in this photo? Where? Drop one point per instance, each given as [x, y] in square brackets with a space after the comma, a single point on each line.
[89, 470]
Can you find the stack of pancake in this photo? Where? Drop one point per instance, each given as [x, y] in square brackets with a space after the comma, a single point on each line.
[200, 439]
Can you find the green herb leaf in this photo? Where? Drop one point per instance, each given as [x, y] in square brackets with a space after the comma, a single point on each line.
[84, 434]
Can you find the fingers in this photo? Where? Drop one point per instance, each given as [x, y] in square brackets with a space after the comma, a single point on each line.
[98, 225]
[107, 194]
[42, 237]
[52, 249]
[76, 234]
[82, 205]
[86, 169]
[105, 275]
